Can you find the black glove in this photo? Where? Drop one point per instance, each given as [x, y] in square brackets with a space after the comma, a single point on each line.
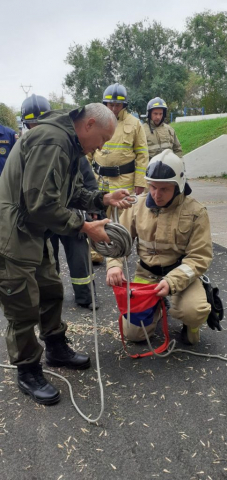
[217, 311]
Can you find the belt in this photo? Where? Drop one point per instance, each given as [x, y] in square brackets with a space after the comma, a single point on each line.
[114, 171]
[161, 271]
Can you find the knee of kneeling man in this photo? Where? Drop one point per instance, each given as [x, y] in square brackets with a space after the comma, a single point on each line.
[197, 314]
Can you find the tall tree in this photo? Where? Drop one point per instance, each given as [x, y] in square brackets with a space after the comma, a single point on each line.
[141, 56]
[203, 49]
[91, 72]
[144, 57]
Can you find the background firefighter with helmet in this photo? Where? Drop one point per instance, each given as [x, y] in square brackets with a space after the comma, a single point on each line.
[173, 243]
[160, 135]
[123, 160]
[76, 247]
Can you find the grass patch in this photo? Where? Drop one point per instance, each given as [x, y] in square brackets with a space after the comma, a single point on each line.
[195, 134]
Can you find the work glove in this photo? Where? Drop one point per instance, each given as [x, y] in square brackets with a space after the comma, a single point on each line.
[217, 311]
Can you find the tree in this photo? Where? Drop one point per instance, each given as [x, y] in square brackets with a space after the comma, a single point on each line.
[144, 57]
[203, 50]
[141, 56]
[8, 117]
[57, 102]
[91, 72]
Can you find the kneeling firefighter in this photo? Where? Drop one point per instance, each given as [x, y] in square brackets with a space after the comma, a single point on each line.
[173, 244]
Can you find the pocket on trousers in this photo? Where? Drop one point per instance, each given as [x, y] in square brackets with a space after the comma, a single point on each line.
[14, 295]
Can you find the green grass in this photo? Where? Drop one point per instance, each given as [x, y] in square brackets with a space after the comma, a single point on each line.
[195, 134]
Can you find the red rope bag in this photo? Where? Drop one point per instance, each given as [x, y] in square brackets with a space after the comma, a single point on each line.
[143, 303]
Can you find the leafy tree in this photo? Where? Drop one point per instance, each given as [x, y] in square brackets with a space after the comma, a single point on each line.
[144, 57]
[8, 117]
[141, 56]
[91, 72]
[58, 102]
[203, 50]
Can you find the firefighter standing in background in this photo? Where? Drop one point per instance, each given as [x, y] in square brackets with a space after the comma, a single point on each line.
[160, 135]
[8, 138]
[76, 248]
[123, 160]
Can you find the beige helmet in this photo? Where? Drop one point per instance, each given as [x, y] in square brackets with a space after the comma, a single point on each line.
[167, 167]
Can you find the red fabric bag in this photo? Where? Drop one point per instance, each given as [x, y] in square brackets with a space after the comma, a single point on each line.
[143, 303]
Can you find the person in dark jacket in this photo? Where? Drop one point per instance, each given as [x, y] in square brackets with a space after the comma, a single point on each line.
[76, 247]
[8, 138]
[41, 190]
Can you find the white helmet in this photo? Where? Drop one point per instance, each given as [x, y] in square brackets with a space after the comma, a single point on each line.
[167, 167]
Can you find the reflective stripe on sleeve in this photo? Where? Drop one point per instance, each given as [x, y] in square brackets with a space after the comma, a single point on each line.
[187, 270]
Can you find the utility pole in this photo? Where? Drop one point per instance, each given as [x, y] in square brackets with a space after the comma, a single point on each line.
[62, 100]
[26, 89]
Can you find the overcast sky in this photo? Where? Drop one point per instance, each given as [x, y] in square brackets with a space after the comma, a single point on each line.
[35, 36]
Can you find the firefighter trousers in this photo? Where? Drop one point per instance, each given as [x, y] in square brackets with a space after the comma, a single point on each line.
[76, 251]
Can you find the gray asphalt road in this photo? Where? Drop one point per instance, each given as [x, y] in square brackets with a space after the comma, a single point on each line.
[163, 418]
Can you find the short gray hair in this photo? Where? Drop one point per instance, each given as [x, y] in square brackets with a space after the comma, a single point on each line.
[103, 115]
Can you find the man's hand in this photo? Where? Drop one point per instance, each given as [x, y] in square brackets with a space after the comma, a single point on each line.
[95, 230]
[139, 190]
[115, 276]
[162, 289]
[117, 199]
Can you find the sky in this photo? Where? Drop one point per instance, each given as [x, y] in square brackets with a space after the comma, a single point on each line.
[35, 36]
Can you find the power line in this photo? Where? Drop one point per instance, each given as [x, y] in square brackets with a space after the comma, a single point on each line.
[26, 89]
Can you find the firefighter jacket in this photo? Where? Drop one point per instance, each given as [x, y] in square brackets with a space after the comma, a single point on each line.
[179, 231]
[161, 137]
[41, 179]
[128, 144]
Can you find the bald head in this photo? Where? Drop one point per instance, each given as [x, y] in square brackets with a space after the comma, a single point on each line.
[95, 126]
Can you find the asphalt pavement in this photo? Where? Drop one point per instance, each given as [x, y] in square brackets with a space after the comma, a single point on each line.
[164, 418]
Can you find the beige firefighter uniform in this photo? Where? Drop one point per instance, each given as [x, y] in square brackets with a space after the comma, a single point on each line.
[127, 149]
[177, 236]
[161, 137]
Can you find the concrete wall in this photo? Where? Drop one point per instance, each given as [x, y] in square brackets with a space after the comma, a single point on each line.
[210, 159]
[196, 118]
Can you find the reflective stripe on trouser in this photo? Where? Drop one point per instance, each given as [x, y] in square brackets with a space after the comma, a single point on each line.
[76, 251]
[30, 295]
[189, 306]
[134, 333]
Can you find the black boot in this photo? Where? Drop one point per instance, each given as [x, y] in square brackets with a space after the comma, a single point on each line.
[32, 382]
[90, 305]
[59, 354]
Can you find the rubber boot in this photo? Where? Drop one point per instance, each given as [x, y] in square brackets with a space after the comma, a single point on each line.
[32, 382]
[59, 354]
[190, 336]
